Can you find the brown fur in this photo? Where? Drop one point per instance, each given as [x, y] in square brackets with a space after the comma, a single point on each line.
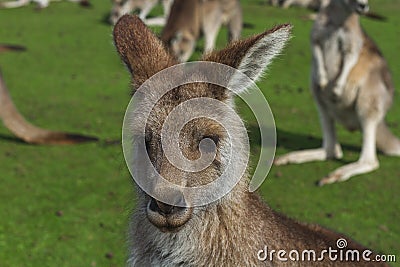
[190, 18]
[230, 231]
[183, 13]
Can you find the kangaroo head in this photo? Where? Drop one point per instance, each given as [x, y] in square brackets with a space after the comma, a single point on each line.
[359, 6]
[182, 45]
[144, 55]
[115, 11]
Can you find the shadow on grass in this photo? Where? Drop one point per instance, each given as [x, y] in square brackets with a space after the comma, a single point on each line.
[105, 19]
[65, 139]
[295, 141]
[11, 139]
[292, 141]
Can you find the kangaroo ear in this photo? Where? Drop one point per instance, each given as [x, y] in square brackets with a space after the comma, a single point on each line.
[252, 56]
[142, 52]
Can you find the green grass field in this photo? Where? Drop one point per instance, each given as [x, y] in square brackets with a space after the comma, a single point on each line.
[69, 205]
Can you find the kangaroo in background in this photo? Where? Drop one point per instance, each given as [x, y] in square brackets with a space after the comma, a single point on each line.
[311, 4]
[229, 231]
[190, 18]
[122, 7]
[29, 133]
[315, 5]
[40, 3]
[352, 85]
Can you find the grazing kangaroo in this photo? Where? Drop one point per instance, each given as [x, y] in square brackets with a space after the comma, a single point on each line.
[29, 133]
[190, 18]
[352, 85]
[40, 3]
[232, 230]
[122, 7]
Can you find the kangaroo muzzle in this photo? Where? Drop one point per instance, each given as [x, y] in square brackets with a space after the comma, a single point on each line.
[168, 218]
[362, 7]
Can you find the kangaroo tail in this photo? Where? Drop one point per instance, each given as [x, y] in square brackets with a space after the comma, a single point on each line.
[386, 141]
[7, 47]
[85, 3]
[29, 133]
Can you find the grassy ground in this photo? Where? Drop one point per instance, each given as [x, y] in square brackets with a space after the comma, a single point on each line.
[69, 206]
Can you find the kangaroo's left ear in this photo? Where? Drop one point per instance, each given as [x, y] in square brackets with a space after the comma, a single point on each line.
[251, 56]
[140, 49]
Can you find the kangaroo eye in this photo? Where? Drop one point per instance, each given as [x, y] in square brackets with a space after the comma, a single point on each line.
[215, 138]
[209, 143]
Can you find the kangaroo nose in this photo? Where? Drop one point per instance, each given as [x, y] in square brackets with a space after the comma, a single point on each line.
[363, 7]
[160, 207]
[163, 208]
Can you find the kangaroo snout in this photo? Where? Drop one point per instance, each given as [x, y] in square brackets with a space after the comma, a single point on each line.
[177, 199]
[167, 218]
[160, 207]
[362, 8]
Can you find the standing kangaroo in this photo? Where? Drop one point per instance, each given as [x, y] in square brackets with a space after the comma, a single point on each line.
[232, 230]
[29, 133]
[352, 85]
[190, 18]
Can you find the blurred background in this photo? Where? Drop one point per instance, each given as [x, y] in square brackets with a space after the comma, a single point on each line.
[70, 205]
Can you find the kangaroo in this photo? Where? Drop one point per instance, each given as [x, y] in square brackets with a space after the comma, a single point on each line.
[311, 4]
[40, 3]
[121, 7]
[352, 85]
[29, 133]
[191, 18]
[232, 230]
[315, 5]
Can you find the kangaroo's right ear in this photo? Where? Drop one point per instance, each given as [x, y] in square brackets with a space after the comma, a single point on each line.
[251, 56]
[142, 52]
